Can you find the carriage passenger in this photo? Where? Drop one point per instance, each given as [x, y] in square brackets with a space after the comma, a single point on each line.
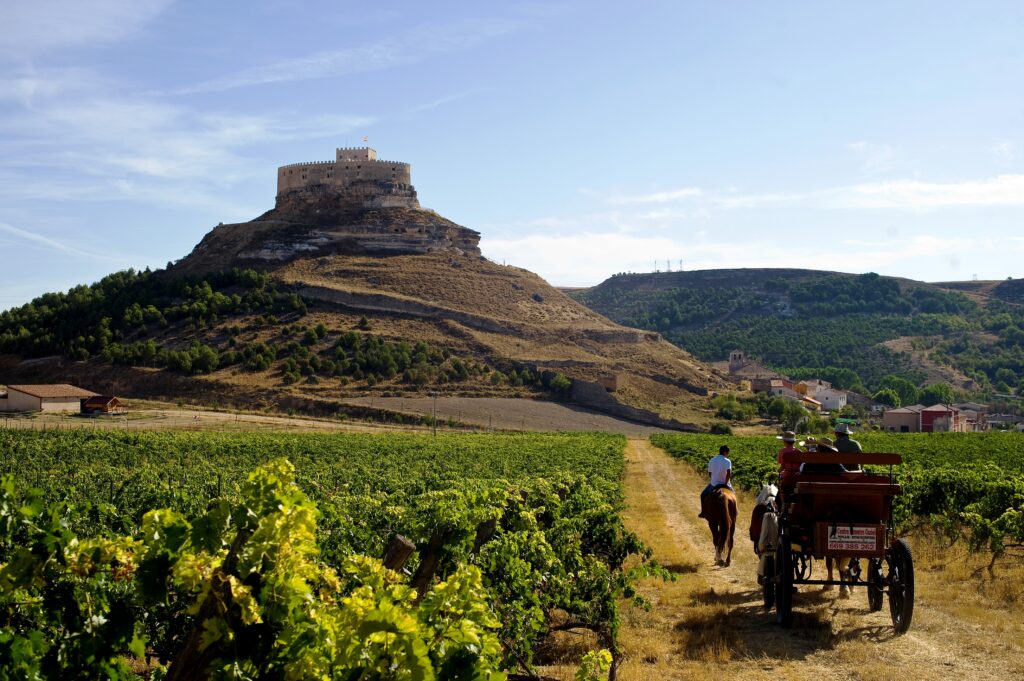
[787, 470]
[847, 445]
[821, 445]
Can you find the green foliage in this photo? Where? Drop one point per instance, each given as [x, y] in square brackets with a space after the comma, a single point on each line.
[888, 396]
[937, 393]
[721, 429]
[561, 385]
[268, 574]
[731, 408]
[906, 391]
[102, 318]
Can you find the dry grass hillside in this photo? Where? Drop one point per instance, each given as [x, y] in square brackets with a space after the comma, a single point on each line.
[395, 277]
[483, 308]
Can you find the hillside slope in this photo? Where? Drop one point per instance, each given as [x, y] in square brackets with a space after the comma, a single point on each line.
[306, 307]
[967, 334]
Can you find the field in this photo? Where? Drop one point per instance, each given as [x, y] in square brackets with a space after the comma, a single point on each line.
[94, 578]
[379, 414]
[263, 554]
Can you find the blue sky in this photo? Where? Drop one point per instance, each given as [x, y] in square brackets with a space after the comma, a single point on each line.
[581, 138]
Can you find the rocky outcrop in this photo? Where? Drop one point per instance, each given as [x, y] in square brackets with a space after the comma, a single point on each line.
[315, 201]
[302, 228]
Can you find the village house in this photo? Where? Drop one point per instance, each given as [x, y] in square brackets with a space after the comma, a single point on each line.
[903, 420]
[55, 398]
[811, 386]
[774, 386]
[103, 404]
[941, 418]
[831, 399]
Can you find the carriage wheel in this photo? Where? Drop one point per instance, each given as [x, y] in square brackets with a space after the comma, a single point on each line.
[784, 586]
[876, 589]
[768, 582]
[901, 586]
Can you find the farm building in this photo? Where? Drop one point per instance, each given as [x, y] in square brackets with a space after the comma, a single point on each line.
[56, 397]
[903, 420]
[103, 404]
[941, 418]
[938, 418]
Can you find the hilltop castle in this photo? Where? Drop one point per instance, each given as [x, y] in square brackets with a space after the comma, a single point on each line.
[356, 178]
[353, 205]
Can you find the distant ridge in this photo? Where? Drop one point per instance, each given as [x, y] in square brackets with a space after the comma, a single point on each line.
[962, 333]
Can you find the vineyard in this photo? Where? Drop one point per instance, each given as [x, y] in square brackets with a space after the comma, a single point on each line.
[967, 485]
[289, 556]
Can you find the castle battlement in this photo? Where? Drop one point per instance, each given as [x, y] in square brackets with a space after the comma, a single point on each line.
[356, 176]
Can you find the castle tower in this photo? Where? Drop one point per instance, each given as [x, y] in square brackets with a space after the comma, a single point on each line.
[356, 178]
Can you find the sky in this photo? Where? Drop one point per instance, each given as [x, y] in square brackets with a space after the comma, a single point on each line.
[581, 138]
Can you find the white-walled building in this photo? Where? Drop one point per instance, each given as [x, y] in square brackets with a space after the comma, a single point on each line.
[830, 398]
[57, 397]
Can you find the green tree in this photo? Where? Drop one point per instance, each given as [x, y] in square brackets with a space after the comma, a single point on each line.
[888, 396]
[936, 393]
[561, 384]
[906, 390]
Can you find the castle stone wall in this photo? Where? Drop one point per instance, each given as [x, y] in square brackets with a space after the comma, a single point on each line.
[350, 166]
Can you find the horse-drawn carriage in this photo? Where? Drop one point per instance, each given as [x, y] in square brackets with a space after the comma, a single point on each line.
[845, 516]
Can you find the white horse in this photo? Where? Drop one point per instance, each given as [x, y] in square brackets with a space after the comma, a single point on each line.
[764, 526]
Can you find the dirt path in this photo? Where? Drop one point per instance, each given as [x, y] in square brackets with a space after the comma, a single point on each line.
[710, 622]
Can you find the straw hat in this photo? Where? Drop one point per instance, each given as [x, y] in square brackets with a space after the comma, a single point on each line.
[826, 445]
[787, 436]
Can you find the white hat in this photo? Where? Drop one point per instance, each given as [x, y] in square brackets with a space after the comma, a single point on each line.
[787, 436]
[843, 429]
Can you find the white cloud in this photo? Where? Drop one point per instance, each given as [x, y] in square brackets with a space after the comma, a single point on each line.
[586, 259]
[31, 28]
[409, 47]
[90, 143]
[999, 190]
[55, 245]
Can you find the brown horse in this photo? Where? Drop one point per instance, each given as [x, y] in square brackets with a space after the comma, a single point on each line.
[721, 512]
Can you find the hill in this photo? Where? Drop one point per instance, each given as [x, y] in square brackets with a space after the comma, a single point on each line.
[334, 294]
[967, 334]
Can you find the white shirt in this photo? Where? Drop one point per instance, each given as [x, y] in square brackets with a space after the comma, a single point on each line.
[718, 467]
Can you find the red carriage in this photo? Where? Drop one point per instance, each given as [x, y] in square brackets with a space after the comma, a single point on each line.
[846, 516]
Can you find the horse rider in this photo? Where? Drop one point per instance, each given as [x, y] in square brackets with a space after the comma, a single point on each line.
[847, 445]
[787, 470]
[719, 474]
